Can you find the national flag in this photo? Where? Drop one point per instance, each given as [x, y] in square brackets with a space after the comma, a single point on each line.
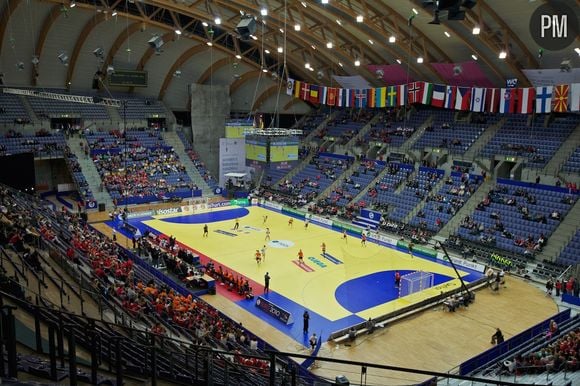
[297, 86]
[322, 95]
[507, 100]
[438, 98]
[305, 91]
[401, 95]
[360, 98]
[462, 98]
[492, 100]
[381, 97]
[575, 97]
[290, 86]
[477, 99]
[331, 96]
[391, 96]
[415, 92]
[314, 98]
[339, 97]
[427, 93]
[525, 101]
[544, 99]
[450, 92]
[372, 97]
[346, 97]
[561, 98]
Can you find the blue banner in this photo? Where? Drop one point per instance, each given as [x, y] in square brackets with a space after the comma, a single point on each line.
[371, 215]
[274, 310]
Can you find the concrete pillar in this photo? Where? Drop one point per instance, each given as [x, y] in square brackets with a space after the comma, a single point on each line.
[210, 108]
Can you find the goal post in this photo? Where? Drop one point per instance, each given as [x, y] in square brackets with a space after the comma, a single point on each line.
[415, 282]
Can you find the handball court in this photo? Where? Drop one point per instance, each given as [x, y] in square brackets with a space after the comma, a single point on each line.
[347, 285]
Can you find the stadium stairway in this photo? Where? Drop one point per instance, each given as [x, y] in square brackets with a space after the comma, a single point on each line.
[171, 138]
[297, 169]
[31, 114]
[423, 202]
[483, 139]
[90, 172]
[561, 235]
[408, 145]
[339, 180]
[306, 141]
[563, 153]
[361, 133]
[371, 184]
[115, 115]
[466, 210]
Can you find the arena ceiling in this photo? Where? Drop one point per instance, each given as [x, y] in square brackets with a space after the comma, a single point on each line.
[331, 37]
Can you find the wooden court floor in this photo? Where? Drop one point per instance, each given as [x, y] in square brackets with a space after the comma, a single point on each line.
[432, 340]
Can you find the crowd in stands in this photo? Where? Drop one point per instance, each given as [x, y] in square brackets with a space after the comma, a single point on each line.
[559, 355]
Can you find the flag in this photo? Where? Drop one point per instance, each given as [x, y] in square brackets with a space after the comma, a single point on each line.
[360, 98]
[462, 98]
[297, 85]
[575, 97]
[561, 98]
[381, 97]
[331, 96]
[415, 92]
[525, 101]
[477, 99]
[290, 86]
[507, 100]
[427, 93]
[401, 95]
[438, 99]
[304, 91]
[450, 92]
[339, 96]
[322, 95]
[372, 97]
[346, 97]
[314, 93]
[391, 96]
[492, 100]
[544, 99]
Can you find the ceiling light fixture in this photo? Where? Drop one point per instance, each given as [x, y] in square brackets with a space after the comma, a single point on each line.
[340, 64]
[360, 19]
[329, 45]
[178, 32]
[420, 59]
[209, 44]
[476, 30]
[306, 65]
[447, 34]
[297, 27]
[338, 22]
[324, 1]
[392, 39]
[204, 23]
[264, 12]
[357, 63]
[267, 51]
[371, 42]
[415, 11]
[114, 13]
[577, 50]
[238, 56]
[474, 57]
[218, 20]
[399, 61]
[280, 50]
[502, 55]
[73, 4]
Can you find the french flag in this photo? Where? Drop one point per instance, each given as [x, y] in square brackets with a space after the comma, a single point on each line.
[526, 99]
[507, 100]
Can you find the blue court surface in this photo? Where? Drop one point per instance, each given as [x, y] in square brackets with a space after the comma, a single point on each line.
[346, 286]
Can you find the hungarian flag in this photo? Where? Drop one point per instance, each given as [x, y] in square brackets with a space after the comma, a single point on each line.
[438, 98]
[450, 92]
[492, 100]
[561, 98]
[427, 93]
[525, 101]
[462, 98]
[507, 97]
[314, 98]
[415, 92]
[391, 96]
[477, 99]
[297, 85]
[381, 97]
[401, 95]
[331, 96]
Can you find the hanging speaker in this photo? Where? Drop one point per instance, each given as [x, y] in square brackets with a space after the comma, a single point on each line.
[246, 27]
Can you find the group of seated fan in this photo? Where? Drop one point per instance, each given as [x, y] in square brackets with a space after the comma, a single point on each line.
[562, 354]
[116, 139]
[200, 166]
[115, 275]
[145, 172]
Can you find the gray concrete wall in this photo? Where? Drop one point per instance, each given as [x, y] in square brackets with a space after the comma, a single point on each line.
[210, 107]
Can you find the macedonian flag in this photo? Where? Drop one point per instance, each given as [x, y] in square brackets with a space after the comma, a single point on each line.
[561, 98]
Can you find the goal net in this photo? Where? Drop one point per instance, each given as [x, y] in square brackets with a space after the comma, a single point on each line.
[415, 282]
